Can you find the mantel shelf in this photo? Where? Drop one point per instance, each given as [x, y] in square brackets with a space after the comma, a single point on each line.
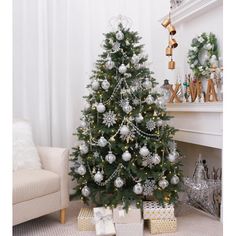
[195, 107]
[190, 9]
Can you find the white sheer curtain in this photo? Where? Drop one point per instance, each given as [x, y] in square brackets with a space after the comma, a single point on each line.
[56, 43]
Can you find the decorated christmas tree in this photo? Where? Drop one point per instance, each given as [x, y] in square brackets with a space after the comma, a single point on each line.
[125, 149]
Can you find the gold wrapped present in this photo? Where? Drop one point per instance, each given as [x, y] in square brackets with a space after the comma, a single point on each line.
[162, 226]
[85, 220]
[153, 211]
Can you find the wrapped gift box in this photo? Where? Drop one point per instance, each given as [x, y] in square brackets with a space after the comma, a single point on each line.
[120, 216]
[85, 220]
[104, 224]
[153, 211]
[162, 226]
[131, 229]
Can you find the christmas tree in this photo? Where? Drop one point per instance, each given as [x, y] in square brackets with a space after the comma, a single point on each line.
[125, 149]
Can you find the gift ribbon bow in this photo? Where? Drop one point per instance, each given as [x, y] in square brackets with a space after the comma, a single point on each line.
[99, 216]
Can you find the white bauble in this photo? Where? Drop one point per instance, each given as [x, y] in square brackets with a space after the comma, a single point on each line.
[149, 99]
[102, 142]
[83, 149]
[147, 84]
[156, 159]
[122, 69]
[110, 157]
[118, 182]
[139, 118]
[135, 59]
[163, 183]
[101, 108]
[172, 156]
[127, 108]
[109, 64]
[98, 177]
[83, 124]
[119, 35]
[174, 179]
[126, 156]
[95, 85]
[138, 188]
[144, 151]
[105, 84]
[86, 106]
[159, 122]
[81, 170]
[124, 130]
[85, 191]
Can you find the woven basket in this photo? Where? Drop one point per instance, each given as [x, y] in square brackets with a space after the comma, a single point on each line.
[85, 220]
[162, 226]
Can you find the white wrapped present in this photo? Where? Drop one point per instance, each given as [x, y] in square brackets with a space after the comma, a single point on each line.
[120, 216]
[103, 221]
[85, 220]
[162, 226]
[131, 229]
[153, 211]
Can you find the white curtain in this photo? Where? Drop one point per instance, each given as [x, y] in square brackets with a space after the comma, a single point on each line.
[56, 43]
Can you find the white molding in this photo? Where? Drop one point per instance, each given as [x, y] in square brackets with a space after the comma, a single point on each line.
[190, 9]
[195, 107]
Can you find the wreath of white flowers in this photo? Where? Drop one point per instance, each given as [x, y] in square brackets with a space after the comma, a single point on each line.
[206, 42]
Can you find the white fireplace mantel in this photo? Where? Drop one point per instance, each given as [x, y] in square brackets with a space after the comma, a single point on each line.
[198, 123]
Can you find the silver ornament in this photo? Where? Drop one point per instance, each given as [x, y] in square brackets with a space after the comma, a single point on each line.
[172, 156]
[147, 83]
[174, 179]
[119, 35]
[105, 84]
[109, 64]
[156, 159]
[95, 85]
[122, 69]
[83, 124]
[139, 118]
[159, 122]
[149, 99]
[102, 142]
[85, 191]
[110, 157]
[119, 182]
[81, 170]
[124, 130]
[135, 59]
[101, 108]
[144, 151]
[127, 108]
[98, 177]
[163, 183]
[83, 149]
[138, 188]
[126, 156]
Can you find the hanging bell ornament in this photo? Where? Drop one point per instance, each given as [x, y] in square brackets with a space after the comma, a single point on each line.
[81, 170]
[102, 142]
[126, 156]
[171, 65]
[98, 177]
[171, 29]
[173, 43]
[101, 108]
[110, 157]
[166, 22]
[118, 182]
[174, 179]
[85, 191]
[163, 183]
[169, 51]
[138, 188]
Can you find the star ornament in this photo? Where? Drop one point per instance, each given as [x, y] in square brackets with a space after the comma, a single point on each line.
[109, 118]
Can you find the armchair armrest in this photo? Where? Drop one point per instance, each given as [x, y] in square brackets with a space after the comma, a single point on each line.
[57, 160]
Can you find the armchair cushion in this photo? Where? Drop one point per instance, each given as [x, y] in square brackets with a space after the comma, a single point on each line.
[30, 184]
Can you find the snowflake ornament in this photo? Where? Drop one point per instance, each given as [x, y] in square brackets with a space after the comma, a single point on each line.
[136, 101]
[148, 187]
[151, 125]
[109, 118]
[123, 102]
[96, 155]
[128, 137]
[147, 161]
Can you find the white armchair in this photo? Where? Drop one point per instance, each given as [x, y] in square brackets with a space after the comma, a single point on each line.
[42, 191]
